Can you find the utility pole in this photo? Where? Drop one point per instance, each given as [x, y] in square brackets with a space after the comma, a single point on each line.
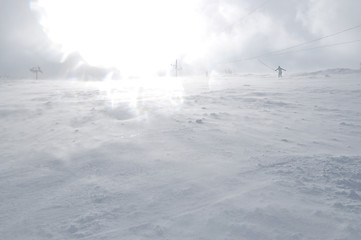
[36, 70]
[176, 68]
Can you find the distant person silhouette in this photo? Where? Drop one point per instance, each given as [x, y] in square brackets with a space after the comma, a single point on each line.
[279, 69]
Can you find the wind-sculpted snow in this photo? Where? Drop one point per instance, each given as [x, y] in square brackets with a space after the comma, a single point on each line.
[330, 72]
[233, 157]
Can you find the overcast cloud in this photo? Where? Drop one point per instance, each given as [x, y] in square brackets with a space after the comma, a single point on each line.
[278, 24]
[234, 30]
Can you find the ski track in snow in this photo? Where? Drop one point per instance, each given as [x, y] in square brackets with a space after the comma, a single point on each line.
[233, 157]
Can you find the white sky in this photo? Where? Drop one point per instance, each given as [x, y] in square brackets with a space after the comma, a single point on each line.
[204, 34]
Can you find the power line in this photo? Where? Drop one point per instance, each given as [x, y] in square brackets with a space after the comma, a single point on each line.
[264, 64]
[298, 45]
[257, 8]
[301, 50]
[307, 49]
[325, 46]
[318, 39]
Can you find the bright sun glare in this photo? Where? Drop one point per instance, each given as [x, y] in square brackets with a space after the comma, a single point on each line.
[135, 36]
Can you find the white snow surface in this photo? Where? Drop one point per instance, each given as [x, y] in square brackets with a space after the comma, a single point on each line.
[232, 157]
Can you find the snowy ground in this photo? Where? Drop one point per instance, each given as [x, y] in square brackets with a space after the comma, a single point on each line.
[235, 157]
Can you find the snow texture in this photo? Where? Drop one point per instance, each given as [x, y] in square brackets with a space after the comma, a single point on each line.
[232, 157]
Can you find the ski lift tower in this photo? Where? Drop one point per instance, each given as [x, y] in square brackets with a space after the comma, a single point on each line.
[176, 68]
[36, 70]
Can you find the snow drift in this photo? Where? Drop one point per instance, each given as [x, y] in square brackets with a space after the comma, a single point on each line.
[245, 157]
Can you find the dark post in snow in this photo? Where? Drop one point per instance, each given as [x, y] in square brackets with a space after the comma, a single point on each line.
[36, 70]
[176, 68]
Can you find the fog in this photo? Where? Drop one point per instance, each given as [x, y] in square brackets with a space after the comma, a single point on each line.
[202, 35]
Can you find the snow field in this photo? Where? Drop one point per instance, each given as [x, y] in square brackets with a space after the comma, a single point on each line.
[233, 157]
